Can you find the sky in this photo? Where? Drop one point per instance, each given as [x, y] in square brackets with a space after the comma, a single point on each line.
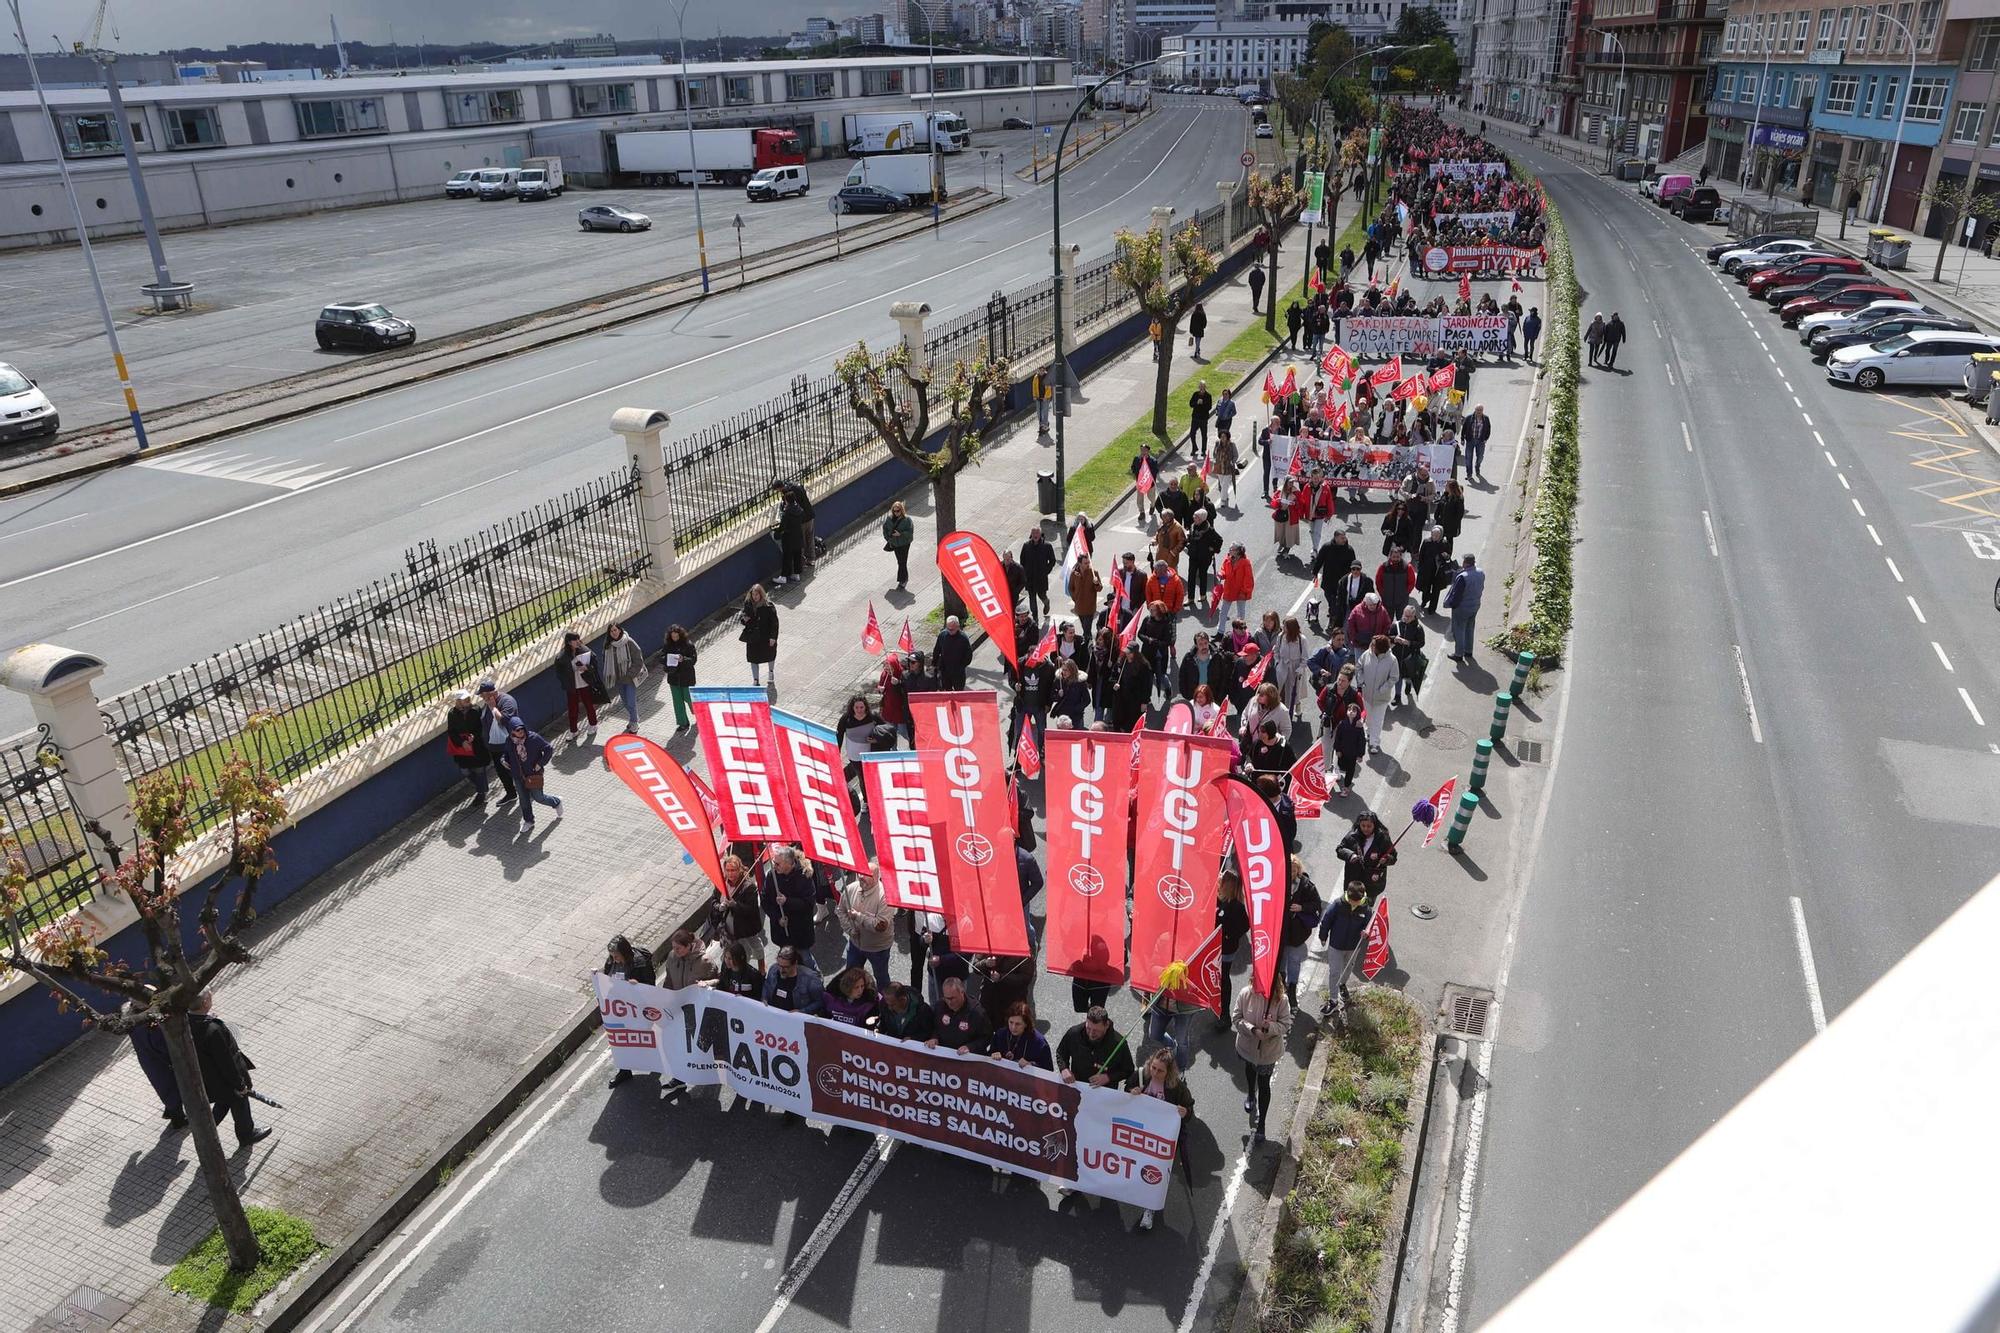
[153, 25]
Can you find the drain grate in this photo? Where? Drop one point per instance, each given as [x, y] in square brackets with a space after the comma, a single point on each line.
[1529, 752]
[1464, 1012]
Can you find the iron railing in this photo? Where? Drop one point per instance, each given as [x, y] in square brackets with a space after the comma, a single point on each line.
[36, 817]
[1098, 291]
[346, 671]
[1011, 325]
[1212, 223]
[1246, 221]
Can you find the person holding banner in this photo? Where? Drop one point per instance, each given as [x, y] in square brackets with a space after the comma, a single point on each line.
[737, 917]
[865, 918]
[904, 1015]
[1017, 1040]
[1368, 851]
[793, 983]
[1262, 1022]
[1096, 1054]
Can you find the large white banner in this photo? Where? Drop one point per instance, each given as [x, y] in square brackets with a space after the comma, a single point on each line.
[1460, 170]
[1474, 333]
[1478, 221]
[1380, 337]
[1365, 467]
[1098, 1140]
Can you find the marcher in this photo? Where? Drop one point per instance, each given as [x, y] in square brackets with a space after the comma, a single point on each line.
[465, 742]
[790, 898]
[1395, 582]
[738, 975]
[1614, 338]
[904, 1015]
[1302, 913]
[1201, 403]
[678, 653]
[1038, 561]
[1262, 1022]
[1473, 435]
[149, 1044]
[959, 1025]
[1462, 600]
[1531, 332]
[527, 757]
[1368, 851]
[1161, 1078]
[582, 683]
[1016, 1039]
[225, 1072]
[1376, 675]
[1406, 642]
[794, 984]
[685, 963]
[868, 923]
[1341, 930]
[852, 998]
[1434, 566]
[1085, 584]
[736, 916]
[627, 668]
[759, 635]
[1347, 740]
[1366, 620]
[952, 654]
[898, 531]
[495, 707]
[1256, 288]
[1096, 1053]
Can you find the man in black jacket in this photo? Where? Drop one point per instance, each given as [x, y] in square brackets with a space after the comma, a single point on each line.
[905, 1016]
[952, 655]
[225, 1072]
[1346, 592]
[1200, 403]
[1096, 1053]
[1038, 561]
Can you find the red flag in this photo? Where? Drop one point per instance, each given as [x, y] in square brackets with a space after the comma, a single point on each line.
[660, 781]
[1144, 482]
[1441, 803]
[1517, 286]
[1041, 651]
[906, 642]
[1442, 378]
[822, 809]
[1180, 717]
[970, 787]
[1291, 384]
[1338, 365]
[909, 832]
[1131, 630]
[1266, 867]
[1204, 983]
[1313, 284]
[1138, 728]
[871, 633]
[739, 742]
[1297, 467]
[1376, 942]
[1270, 388]
[1207, 466]
[973, 571]
[1089, 793]
[1308, 783]
[1079, 549]
[1256, 674]
[1179, 849]
[1339, 421]
[1465, 286]
[1410, 387]
[1027, 761]
[1388, 374]
[709, 805]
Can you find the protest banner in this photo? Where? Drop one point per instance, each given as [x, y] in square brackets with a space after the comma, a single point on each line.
[1476, 221]
[1473, 333]
[970, 789]
[1460, 170]
[1379, 337]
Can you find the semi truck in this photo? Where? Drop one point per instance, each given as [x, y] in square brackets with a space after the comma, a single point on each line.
[905, 173]
[730, 157]
[540, 178]
[903, 132]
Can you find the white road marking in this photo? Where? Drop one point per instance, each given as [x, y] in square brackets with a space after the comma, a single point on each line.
[1796, 403]
[40, 527]
[1970, 706]
[1938, 648]
[136, 605]
[1709, 525]
[859, 1182]
[1918, 609]
[1844, 483]
[448, 495]
[1670, 377]
[1656, 328]
[1806, 966]
[287, 474]
[1809, 422]
[1893, 570]
[1875, 536]
[1687, 439]
[1817, 440]
[1857, 504]
[1743, 675]
[1831, 461]
[1216, 1231]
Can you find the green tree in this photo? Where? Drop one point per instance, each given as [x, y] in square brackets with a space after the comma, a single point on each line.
[1330, 52]
[1418, 25]
[898, 399]
[66, 958]
[1432, 66]
[1140, 264]
[1275, 200]
[1297, 97]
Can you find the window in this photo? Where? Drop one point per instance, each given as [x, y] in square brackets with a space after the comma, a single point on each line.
[1985, 51]
[1898, 43]
[1966, 123]
[1729, 36]
[1825, 41]
[92, 135]
[1805, 91]
[881, 82]
[326, 117]
[696, 92]
[1840, 93]
[1725, 85]
[1863, 19]
[1846, 29]
[809, 87]
[1003, 76]
[192, 127]
[1927, 23]
[738, 90]
[1927, 100]
[1892, 87]
[1748, 92]
[602, 99]
[483, 106]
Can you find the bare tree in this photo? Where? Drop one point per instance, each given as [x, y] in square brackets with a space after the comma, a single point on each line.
[1276, 201]
[81, 975]
[1854, 179]
[897, 398]
[1140, 264]
[1953, 200]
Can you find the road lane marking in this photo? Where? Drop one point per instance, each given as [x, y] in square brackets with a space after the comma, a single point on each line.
[1918, 609]
[1816, 438]
[1893, 570]
[859, 1182]
[1217, 1231]
[1875, 536]
[1686, 439]
[1806, 966]
[40, 527]
[1743, 675]
[1970, 706]
[1938, 648]
[1857, 504]
[136, 605]
[1670, 377]
[1844, 484]
[1831, 461]
[1796, 403]
[1808, 418]
[449, 495]
[1709, 525]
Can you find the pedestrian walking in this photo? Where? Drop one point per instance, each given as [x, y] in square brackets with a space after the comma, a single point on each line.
[1153, 331]
[1161, 1079]
[1368, 852]
[1593, 337]
[1256, 289]
[1406, 642]
[495, 707]
[1462, 600]
[1476, 430]
[465, 742]
[952, 654]
[869, 924]
[1262, 1020]
[1341, 929]
[1614, 338]
[1197, 327]
[678, 655]
[1038, 561]
[1531, 331]
[1085, 585]
[626, 667]
[225, 1072]
[759, 635]
[527, 756]
[898, 531]
[1238, 583]
[1346, 741]
[1375, 675]
[1201, 403]
[1225, 414]
[1295, 319]
[583, 684]
[149, 1044]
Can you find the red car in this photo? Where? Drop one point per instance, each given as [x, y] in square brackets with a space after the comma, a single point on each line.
[1802, 271]
[1846, 298]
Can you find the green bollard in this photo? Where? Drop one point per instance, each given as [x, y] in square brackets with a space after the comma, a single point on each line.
[1523, 664]
[1483, 755]
[1467, 802]
[1502, 704]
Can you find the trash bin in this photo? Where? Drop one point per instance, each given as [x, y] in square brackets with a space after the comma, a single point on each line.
[1895, 252]
[1877, 235]
[1979, 377]
[1045, 493]
[1633, 169]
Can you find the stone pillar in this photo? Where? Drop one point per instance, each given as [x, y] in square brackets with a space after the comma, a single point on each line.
[1227, 189]
[57, 682]
[910, 317]
[1065, 257]
[641, 427]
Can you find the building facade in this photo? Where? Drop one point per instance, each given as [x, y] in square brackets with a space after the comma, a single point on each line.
[1659, 51]
[1516, 50]
[1227, 54]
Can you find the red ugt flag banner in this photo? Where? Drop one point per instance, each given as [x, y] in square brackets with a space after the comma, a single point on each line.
[1089, 790]
[662, 783]
[1179, 849]
[1308, 781]
[740, 743]
[1041, 651]
[970, 787]
[1204, 983]
[1443, 378]
[815, 776]
[909, 831]
[1143, 483]
[1388, 374]
[1441, 803]
[871, 633]
[1410, 388]
[968, 564]
[906, 642]
[1376, 943]
[1266, 867]
[1027, 759]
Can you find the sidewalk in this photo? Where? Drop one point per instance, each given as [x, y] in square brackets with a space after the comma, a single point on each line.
[392, 1004]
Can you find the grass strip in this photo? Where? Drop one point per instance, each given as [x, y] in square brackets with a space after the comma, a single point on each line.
[1336, 1223]
[286, 1243]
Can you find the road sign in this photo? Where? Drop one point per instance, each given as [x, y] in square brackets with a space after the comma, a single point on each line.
[739, 222]
[1249, 159]
[833, 205]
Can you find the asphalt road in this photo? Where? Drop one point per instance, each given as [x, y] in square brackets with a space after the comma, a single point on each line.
[159, 564]
[1766, 765]
[447, 264]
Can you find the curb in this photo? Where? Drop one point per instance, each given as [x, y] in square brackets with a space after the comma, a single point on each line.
[471, 354]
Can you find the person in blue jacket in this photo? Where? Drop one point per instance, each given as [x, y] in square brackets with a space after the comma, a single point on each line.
[1018, 1041]
[793, 983]
[527, 757]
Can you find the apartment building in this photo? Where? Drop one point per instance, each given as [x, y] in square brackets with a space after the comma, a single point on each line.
[1659, 51]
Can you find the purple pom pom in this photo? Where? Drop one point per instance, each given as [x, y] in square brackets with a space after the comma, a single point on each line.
[1423, 812]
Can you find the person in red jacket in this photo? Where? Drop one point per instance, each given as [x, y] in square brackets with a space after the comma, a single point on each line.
[1237, 582]
[1395, 582]
[1166, 587]
[1367, 619]
[1323, 508]
[1288, 508]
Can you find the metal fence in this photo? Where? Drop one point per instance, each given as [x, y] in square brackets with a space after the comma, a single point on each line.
[36, 817]
[348, 670]
[1098, 291]
[1213, 224]
[1012, 325]
[1246, 221]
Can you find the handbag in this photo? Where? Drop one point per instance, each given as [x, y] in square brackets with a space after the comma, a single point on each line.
[458, 749]
[533, 781]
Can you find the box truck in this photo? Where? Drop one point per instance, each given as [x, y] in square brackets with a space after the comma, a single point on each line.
[903, 132]
[905, 173]
[540, 178]
[732, 156]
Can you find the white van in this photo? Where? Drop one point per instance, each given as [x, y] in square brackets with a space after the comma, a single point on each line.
[499, 182]
[777, 183]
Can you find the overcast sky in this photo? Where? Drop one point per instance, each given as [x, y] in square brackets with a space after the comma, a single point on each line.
[151, 25]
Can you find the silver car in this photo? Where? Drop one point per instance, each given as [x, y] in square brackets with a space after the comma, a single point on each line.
[610, 217]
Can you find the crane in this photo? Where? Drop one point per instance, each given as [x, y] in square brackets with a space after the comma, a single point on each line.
[93, 44]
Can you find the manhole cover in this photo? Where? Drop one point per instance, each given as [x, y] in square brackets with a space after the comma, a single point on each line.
[1464, 1011]
[1423, 911]
[1444, 736]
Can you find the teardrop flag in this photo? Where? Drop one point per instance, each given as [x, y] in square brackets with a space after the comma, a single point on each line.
[871, 633]
[659, 780]
[906, 642]
[969, 565]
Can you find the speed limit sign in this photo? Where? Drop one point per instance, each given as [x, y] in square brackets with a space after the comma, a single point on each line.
[1249, 159]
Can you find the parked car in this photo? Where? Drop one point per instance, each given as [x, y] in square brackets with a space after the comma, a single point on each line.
[777, 183]
[1765, 256]
[1781, 293]
[465, 185]
[1846, 298]
[1649, 188]
[1835, 321]
[1671, 185]
[1700, 204]
[1799, 272]
[1881, 330]
[1264, 130]
[610, 217]
[25, 411]
[1723, 247]
[870, 199]
[1015, 123]
[362, 324]
[1930, 356]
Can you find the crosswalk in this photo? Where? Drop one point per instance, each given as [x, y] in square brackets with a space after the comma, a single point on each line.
[287, 474]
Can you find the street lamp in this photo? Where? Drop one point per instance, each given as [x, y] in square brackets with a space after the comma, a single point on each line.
[1611, 142]
[1319, 104]
[931, 129]
[694, 163]
[1756, 118]
[1896, 148]
[1055, 238]
[82, 230]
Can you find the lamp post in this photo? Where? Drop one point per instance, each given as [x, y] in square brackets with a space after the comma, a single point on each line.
[931, 129]
[1896, 148]
[694, 164]
[1611, 143]
[1061, 368]
[1319, 104]
[82, 230]
[1756, 118]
